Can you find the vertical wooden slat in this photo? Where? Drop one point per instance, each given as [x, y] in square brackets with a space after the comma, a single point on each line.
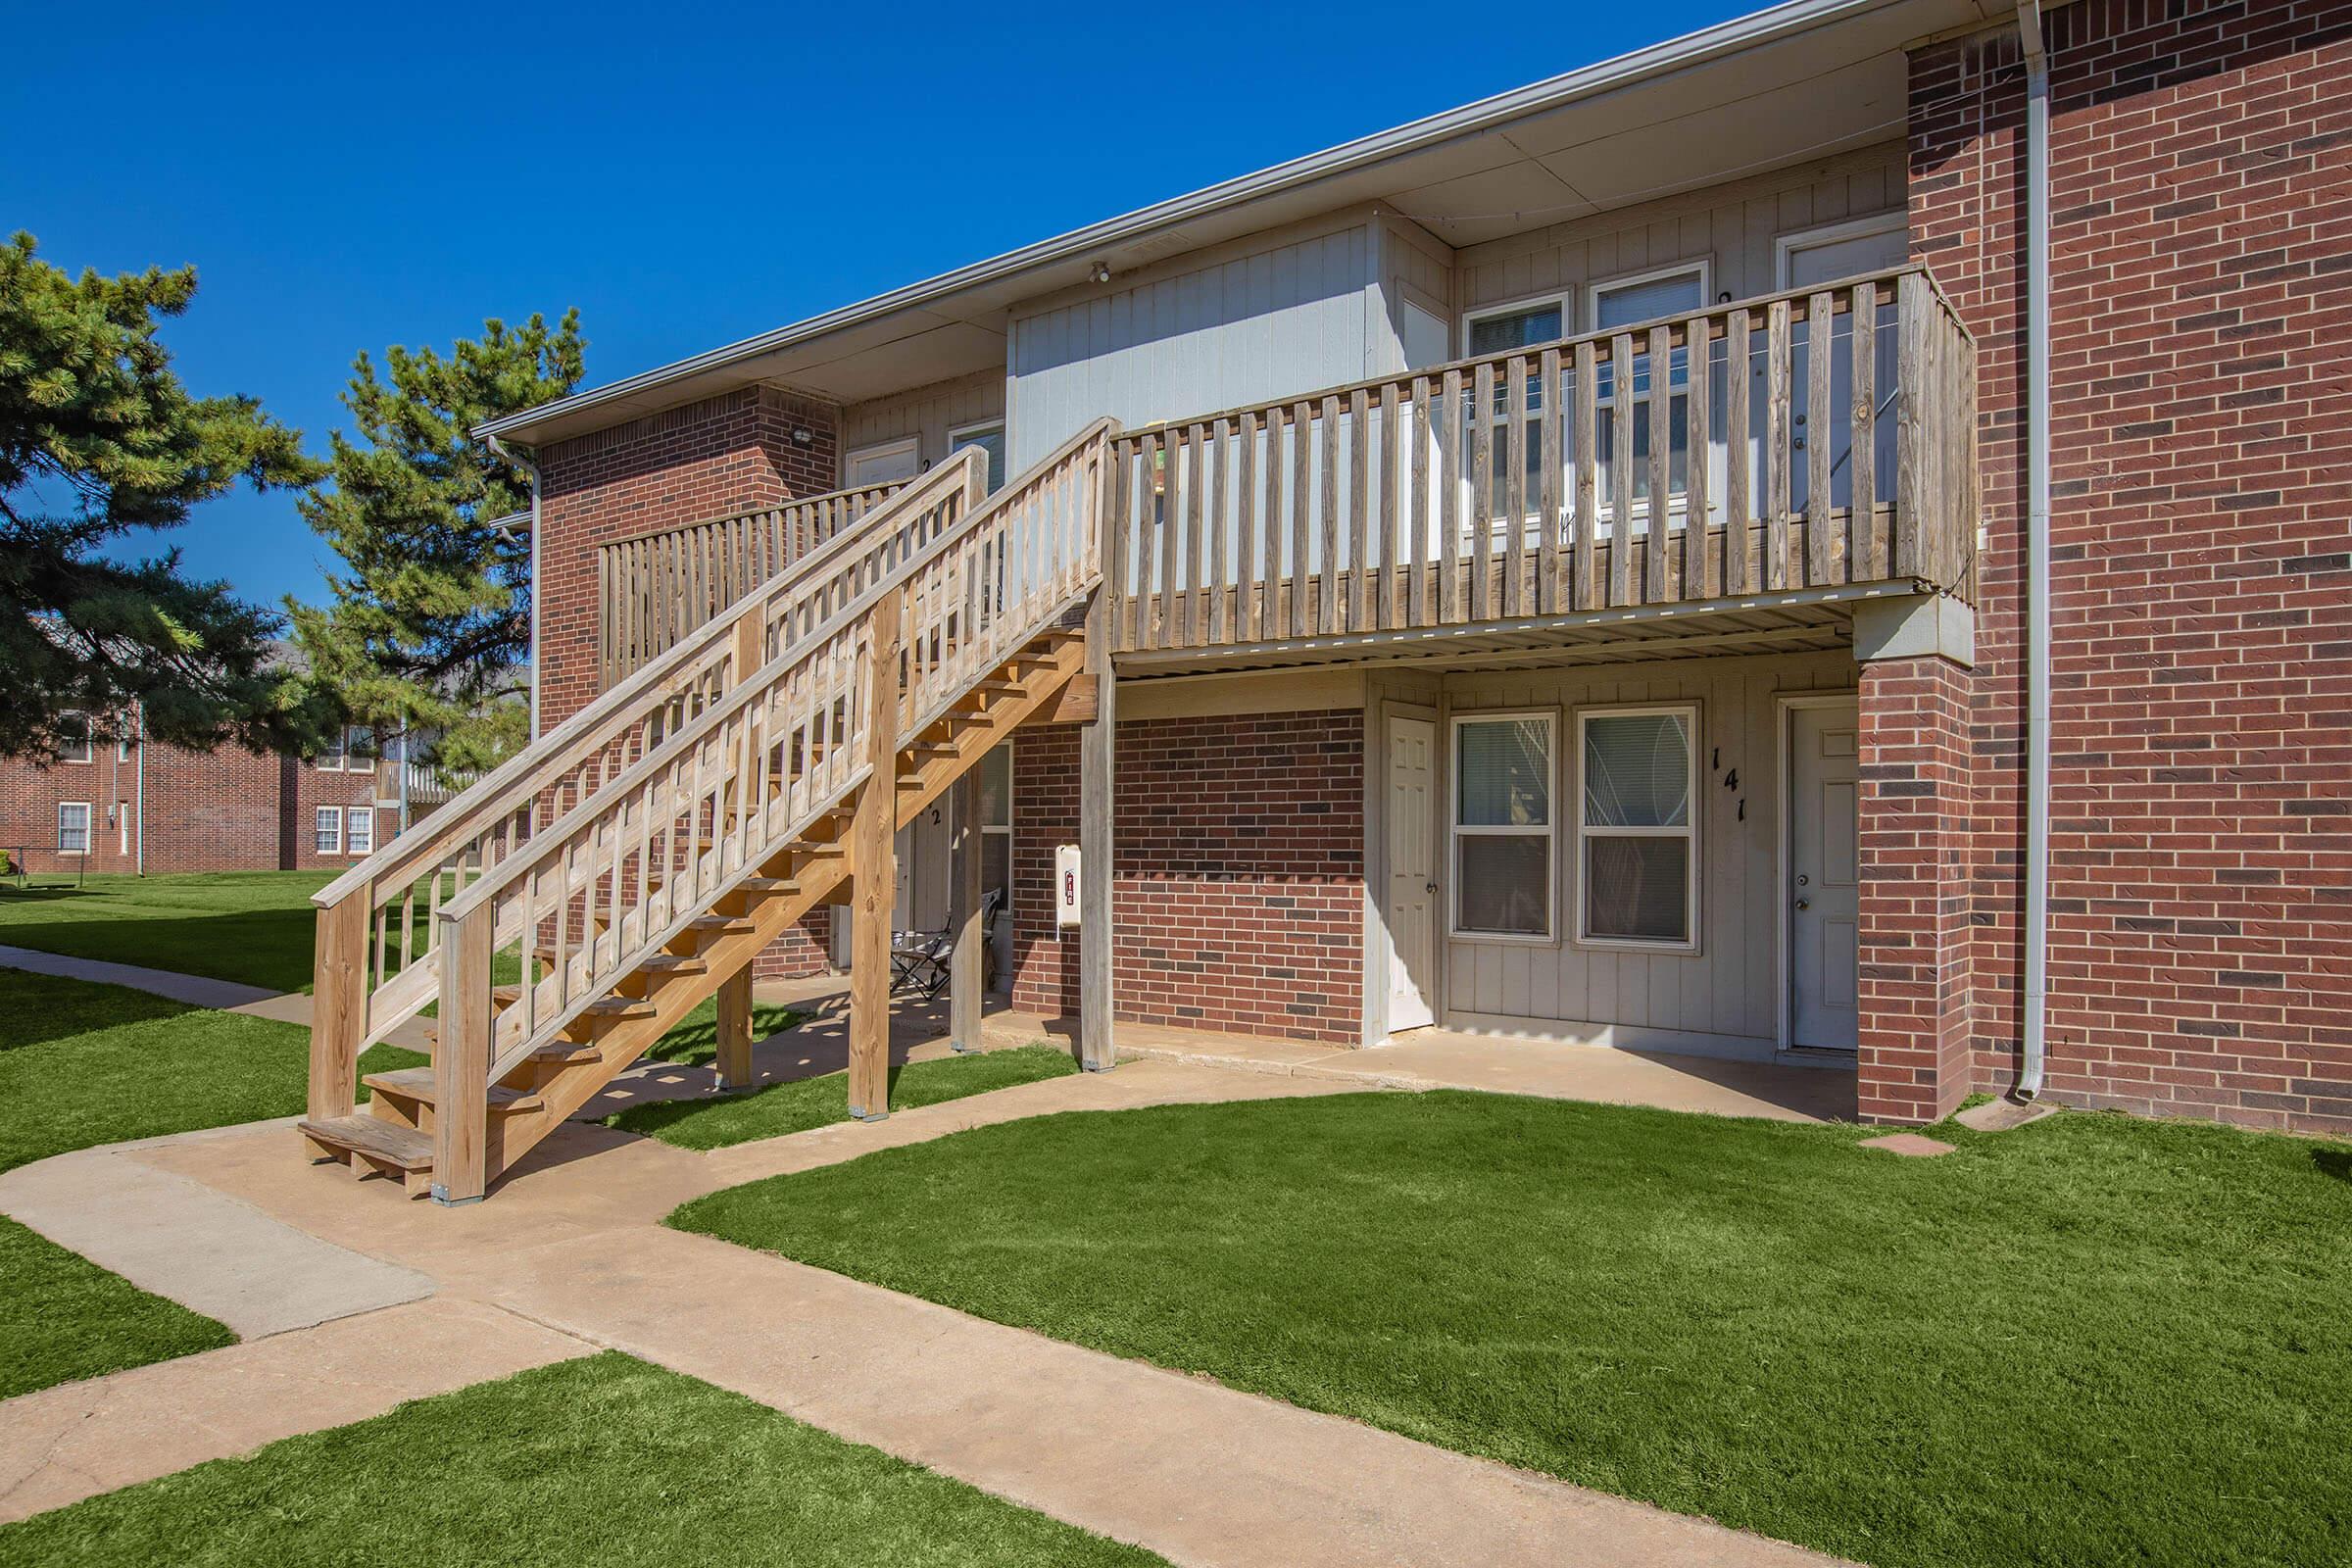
[1910, 501]
[873, 863]
[1387, 597]
[1196, 526]
[1621, 470]
[1550, 600]
[1249, 535]
[1417, 586]
[1450, 497]
[1302, 457]
[1171, 536]
[1146, 513]
[1358, 528]
[1514, 549]
[1738, 506]
[1327, 572]
[1701, 575]
[1117, 576]
[1482, 489]
[1661, 461]
[1825, 565]
[1586, 585]
[1862, 482]
[1775, 446]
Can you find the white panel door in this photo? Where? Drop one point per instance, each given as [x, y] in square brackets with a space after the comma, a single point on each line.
[1411, 909]
[1825, 894]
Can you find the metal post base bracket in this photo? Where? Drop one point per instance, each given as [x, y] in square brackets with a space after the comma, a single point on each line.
[865, 1116]
[441, 1197]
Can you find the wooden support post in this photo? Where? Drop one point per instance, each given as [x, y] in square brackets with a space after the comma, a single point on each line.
[968, 965]
[735, 1029]
[338, 1007]
[461, 1060]
[874, 868]
[1097, 1050]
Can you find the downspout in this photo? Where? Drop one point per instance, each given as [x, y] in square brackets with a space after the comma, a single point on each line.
[2037, 154]
[139, 791]
[532, 464]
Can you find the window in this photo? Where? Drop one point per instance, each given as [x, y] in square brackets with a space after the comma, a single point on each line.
[1636, 850]
[996, 818]
[1824, 255]
[1850, 249]
[122, 827]
[351, 749]
[333, 759]
[1628, 302]
[326, 830]
[1523, 324]
[989, 437]
[359, 835]
[1502, 834]
[74, 740]
[73, 827]
[123, 744]
[885, 463]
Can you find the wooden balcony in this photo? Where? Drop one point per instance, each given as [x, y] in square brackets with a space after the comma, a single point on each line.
[1713, 483]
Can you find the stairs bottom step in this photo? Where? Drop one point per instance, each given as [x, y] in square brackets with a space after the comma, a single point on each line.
[377, 1145]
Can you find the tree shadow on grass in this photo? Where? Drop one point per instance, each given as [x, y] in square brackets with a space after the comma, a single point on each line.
[2334, 1162]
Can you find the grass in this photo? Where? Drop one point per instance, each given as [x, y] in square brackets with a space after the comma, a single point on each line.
[627, 1464]
[2092, 1341]
[796, 1107]
[252, 927]
[63, 1317]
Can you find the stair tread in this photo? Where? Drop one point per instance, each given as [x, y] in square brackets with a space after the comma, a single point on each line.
[376, 1138]
[557, 1052]
[416, 1083]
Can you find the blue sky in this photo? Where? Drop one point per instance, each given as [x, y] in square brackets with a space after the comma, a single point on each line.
[348, 177]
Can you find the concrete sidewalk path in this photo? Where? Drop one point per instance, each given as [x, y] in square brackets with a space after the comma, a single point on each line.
[188, 1242]
[62, 1444]
[199, 990]
[1199, 1473]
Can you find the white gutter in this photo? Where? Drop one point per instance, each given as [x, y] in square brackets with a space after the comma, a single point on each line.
[1609, 75]
[2037, 154]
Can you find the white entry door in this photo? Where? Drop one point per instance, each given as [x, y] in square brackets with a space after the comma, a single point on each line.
[1411, 904]
[1825, 892]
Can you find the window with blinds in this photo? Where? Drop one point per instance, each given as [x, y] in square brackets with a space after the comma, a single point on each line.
[1502, 827]
[1636, 843]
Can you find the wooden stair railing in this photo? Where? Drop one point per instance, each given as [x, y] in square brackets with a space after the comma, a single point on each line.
[378, 958]
[632, 906]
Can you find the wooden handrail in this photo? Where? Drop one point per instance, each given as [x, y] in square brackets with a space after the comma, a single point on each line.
[850, 494]
[752, 770]
[1515, 487]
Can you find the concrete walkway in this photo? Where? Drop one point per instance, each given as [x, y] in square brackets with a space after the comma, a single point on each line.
[198, 991]
[572, 1242]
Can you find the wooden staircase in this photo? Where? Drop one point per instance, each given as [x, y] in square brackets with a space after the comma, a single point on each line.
[753, 774]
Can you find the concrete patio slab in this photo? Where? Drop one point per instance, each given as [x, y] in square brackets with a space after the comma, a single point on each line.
[73, 1441]
[191, 1242]
[196, 989]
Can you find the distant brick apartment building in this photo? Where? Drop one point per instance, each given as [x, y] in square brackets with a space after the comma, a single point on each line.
[2199, 777]
[96, 810]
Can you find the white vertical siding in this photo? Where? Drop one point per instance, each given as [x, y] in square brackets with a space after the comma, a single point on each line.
[927, 413]
[1290, 317]
[1729, 987]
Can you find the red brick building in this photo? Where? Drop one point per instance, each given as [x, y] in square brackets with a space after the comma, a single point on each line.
[1697, 723]
[103, 808]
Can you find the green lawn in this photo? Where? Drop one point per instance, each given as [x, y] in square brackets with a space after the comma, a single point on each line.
[63, 1317]
[253, 927]
[792, 1107]
[2092, 1341]
[602, 1460]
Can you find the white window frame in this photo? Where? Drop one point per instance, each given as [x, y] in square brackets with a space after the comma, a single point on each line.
[88, 826]
[352, 815]
[1703, 266]
[956, 433]
[1456, 830]
[122, 827]
[913, 446]
[1678, 503]
[86, 745]
[335, 760]
[1894, 220]
[321, 818]
[1564, 298]
[1690, 830]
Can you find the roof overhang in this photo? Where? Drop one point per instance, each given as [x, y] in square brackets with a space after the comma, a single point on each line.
[1805, 79]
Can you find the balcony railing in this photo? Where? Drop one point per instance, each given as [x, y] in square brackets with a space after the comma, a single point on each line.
[656, 588]
[1786, 445]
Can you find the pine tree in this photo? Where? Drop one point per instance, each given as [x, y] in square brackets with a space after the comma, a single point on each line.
[99, 442]
[429, 625]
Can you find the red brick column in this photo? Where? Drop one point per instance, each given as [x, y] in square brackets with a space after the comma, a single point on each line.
[1914, 833]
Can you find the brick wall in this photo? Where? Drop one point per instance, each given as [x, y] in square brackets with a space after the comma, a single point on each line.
[1237, 883]
[728, 453]
[1914, 840]
[2201, 952]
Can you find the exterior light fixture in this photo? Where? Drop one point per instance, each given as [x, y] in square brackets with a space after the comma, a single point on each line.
[802, 436]
[1102, 272]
